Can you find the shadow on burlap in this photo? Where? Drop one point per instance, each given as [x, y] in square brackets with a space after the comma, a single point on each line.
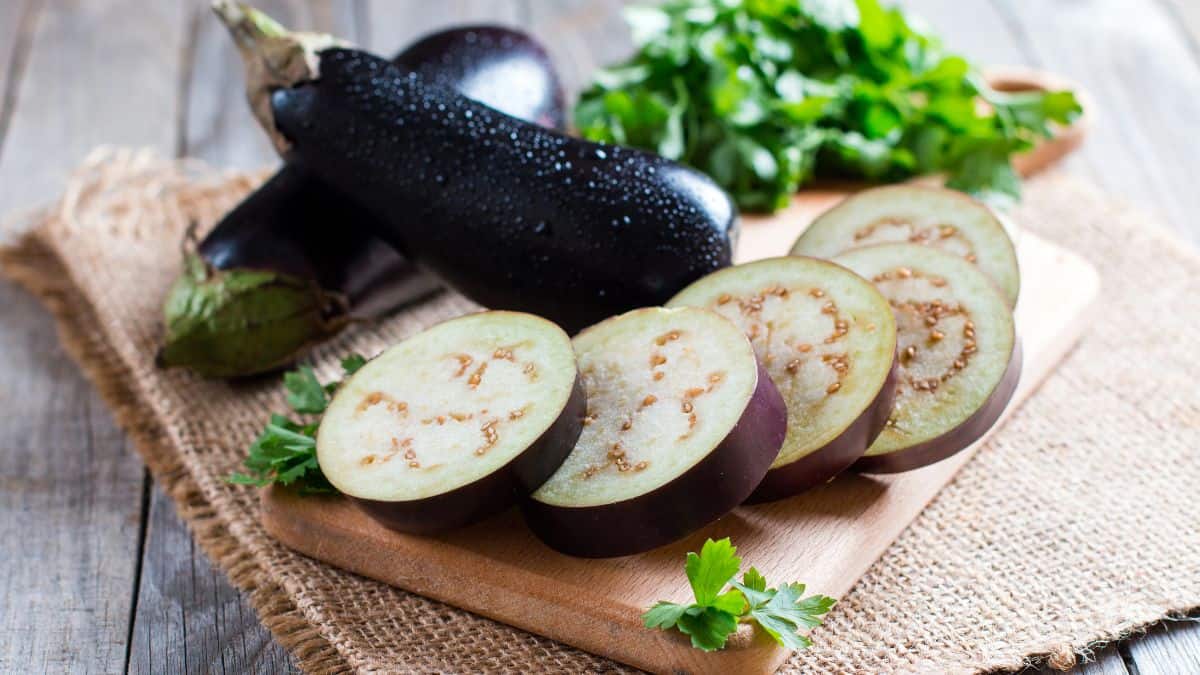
[1075, 526]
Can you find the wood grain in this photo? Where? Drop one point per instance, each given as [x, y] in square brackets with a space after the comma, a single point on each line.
[1170, 648]
[16, 20]
[1132, 57]
[189, 619]
[72, 492]
[827, 537]
[99, 72]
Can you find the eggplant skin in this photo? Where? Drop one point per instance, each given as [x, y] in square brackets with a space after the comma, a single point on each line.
[700, 495]
[512, 215]
[498, 66]
[957, 439]
[495, 492]
[823, 464]
[318, 240]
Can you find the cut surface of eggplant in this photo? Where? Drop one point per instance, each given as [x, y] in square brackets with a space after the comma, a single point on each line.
[681, 426]
[958, 354]
[296, 259]
[452, 424]
[828, 340]
[931, 216]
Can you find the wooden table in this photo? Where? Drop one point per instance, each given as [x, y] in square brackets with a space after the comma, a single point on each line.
[97, 573]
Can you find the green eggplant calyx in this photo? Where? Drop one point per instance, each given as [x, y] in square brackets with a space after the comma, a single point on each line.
[235, 322]
[274, 58]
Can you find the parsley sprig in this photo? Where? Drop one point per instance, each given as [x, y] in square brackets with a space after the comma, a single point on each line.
[714, 616]
[286, 450]
[763, 95]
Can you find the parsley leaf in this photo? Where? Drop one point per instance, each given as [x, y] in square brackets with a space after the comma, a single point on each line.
[765, 96]
[709, 621]
[305, 394]
[711, 571]
[286, 450]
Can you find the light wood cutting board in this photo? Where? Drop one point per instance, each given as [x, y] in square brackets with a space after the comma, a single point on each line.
[826, 538]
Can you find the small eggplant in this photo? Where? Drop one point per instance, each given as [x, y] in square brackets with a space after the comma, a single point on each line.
[296, 260]
[513, 215]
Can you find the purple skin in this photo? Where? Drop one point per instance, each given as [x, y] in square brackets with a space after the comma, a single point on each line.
[822, 465]
[707, 491]
[493, 493]
[957, 439]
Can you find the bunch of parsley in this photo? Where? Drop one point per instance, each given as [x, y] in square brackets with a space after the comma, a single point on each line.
[286, 450]
[765, 94]
[715, 615]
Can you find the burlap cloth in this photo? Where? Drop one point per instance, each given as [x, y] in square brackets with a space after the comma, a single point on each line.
[1076, 525]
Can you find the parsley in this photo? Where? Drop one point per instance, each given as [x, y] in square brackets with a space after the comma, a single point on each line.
[715, 615]
[765, 95]
[286, 450]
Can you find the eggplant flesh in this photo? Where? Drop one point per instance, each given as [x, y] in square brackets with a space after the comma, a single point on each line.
[682, 424]
[297, 260]
[959, 361]
[455, 423]
[827, 338]
[512, 215]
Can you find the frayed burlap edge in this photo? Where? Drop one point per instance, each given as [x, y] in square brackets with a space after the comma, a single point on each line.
[32, 265]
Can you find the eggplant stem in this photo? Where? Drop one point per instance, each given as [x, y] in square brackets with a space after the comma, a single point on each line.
[274, 58]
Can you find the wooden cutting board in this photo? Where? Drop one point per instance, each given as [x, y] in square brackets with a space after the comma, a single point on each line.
[826, 538]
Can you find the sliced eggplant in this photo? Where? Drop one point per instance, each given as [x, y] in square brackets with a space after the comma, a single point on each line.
[932, 216]
[958, 353]
[828, 340]
[512, 215]
[293, 262]
[682, 425]
[454, 423]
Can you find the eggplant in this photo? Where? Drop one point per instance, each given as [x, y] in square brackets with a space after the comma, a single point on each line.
[827, 339]
[296, 260]
[682, 424]
[960, 360]
[920, 214]
[455, 423]
[512, 215]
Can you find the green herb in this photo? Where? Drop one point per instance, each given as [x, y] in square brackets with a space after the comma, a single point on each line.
[286, 450]
[715, 615]
[763, 95]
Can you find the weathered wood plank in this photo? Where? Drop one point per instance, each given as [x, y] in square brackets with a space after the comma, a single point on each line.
[99, 72]
[189, 618]
[1169, 648]
[70, 505]
[71, 493]
[16, 19]
[1135, 62]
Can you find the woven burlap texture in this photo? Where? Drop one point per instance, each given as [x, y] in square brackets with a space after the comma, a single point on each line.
[1075, 526]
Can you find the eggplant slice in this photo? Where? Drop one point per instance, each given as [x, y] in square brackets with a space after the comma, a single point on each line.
[932, 216]
[682, 424]
[828, 340]
[455, 423]
[958, 353]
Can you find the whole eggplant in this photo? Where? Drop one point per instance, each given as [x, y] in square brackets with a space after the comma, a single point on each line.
[512, 215]
[296, 260]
